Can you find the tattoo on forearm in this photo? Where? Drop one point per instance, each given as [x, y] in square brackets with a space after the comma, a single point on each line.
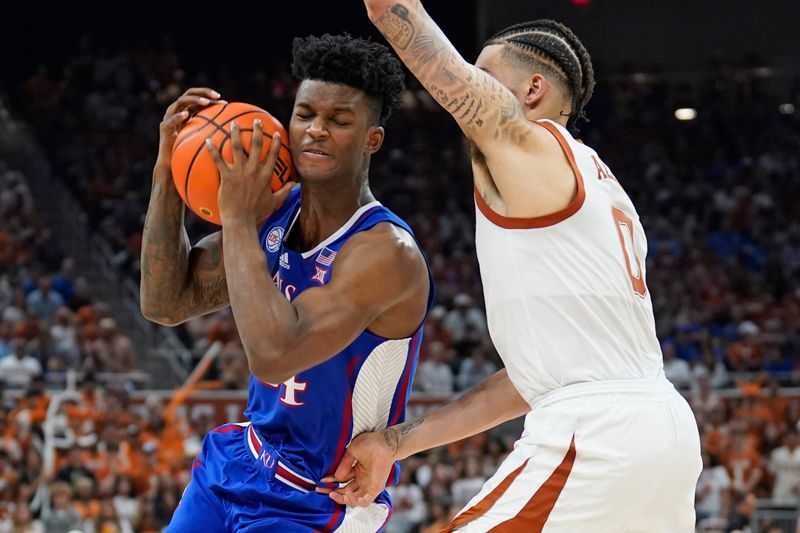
[397, 27]
[474, 98]
[169, 267]
[395, 435]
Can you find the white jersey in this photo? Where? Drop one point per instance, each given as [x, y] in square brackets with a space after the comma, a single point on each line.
[566, 298]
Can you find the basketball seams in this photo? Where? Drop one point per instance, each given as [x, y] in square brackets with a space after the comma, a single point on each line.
[216, 129]
[198, 130]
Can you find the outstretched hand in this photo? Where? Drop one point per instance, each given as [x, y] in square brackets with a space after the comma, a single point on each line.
[365, 467]
[245, 192]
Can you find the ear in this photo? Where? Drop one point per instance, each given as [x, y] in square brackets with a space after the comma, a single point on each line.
[375, 137]
[536, 88]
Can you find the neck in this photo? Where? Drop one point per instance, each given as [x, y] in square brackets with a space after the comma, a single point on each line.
[552, 110]
[327, 206]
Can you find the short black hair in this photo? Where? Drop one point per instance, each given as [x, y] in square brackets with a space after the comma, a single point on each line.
[553, 48]
[360, 63]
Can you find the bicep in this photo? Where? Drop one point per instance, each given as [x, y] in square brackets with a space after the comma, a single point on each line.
[366, 286]
[329, 320]
[485, 110]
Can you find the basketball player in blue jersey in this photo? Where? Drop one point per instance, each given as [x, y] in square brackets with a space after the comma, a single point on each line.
[329, 294]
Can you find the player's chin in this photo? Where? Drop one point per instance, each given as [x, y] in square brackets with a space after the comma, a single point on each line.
[317, 171]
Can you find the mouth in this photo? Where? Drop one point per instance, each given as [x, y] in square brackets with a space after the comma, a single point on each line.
[314, 152]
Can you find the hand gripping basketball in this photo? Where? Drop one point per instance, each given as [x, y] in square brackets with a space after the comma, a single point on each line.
[242, 196]
[192, 101]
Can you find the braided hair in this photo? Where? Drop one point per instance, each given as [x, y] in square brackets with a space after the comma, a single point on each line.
[554, 50]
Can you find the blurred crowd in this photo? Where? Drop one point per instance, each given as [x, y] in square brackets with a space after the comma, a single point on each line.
[717, 196]
[49, 320]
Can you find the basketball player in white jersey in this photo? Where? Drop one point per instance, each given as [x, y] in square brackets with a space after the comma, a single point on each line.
[609, 445]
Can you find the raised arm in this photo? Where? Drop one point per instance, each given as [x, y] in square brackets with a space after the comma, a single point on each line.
[178, 281]
[369, 457]
[485, 110]
[509, 145]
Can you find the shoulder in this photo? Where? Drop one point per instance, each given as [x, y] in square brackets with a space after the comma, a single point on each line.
[385, 243]
[386, 254]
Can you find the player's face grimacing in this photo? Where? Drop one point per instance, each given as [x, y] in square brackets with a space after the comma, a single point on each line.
[331, 131]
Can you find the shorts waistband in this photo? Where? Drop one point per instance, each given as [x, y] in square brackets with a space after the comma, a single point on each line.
[276, 466]
[652, 389]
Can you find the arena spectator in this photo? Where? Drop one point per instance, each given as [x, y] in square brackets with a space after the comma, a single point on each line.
[64, 281]
[434, 374]
[65, 347]
[44, 302]
[409, 508]
[464, 314]
[713, 492]
[468, 483]
[474, 369]
[784, 465]
[677, 370]
[60, 516]
[19, 368]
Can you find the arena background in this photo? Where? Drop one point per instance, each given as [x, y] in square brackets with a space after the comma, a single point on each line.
[103, 412]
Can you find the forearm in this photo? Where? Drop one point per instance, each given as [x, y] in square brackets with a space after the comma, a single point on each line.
[165, 251]
[483, 108]
[489, 404]
[266, 320]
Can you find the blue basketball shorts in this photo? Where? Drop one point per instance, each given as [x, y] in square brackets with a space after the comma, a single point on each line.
[241, 484]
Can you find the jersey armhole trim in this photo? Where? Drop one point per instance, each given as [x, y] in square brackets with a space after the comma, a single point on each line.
[544, 220]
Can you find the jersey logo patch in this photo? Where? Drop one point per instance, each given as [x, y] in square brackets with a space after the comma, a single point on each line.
[284, 262]
[326, 257]
[319, 275]
[274, 239]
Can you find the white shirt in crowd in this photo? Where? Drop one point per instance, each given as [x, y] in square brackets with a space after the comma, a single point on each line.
[409, 508]
[784, 464]
[18, 372]
[710, 487]
[434, 377]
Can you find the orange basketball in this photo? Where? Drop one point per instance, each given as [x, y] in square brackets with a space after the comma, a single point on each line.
[193, 170]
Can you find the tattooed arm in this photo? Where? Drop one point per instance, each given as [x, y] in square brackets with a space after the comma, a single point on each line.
[369, 457]
[179, 281]
[490, 115]
[485, 110]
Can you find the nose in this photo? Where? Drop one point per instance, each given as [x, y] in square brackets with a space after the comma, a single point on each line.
[316, 129]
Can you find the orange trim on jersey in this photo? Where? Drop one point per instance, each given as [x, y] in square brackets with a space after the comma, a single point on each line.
[545, 220]
[482, 506]
[533, 516]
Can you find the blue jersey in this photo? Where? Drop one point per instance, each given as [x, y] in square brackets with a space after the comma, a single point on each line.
[262, 475]
[311, 418]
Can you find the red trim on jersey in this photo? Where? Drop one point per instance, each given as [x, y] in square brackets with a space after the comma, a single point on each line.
[254, 440]
[334, 519]
[388, 516]
[545, 220]
[399, 406]
[294, 478]
[228, 428]
[348, 416]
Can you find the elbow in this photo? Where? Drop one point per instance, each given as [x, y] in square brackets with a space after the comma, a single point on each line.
[268, 370]
[376, 7]
[269, 362]
[159, 318]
